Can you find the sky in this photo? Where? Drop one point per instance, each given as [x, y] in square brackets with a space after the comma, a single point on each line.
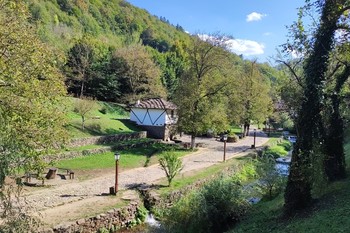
[257, 26]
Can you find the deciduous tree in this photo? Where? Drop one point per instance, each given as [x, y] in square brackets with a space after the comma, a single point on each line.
[138, 73]
[249, 99]
[80, 60]
[199, 94]
[83, 107]
[31, 90]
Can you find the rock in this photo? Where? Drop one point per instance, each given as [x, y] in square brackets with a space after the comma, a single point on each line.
[45, 230]
[111, 211]
[81, 221]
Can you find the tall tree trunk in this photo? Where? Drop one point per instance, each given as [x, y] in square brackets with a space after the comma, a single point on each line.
[335, 157]
[193, 141]
[298, 191]
[246, 129]
[82, 89]
[83, 122]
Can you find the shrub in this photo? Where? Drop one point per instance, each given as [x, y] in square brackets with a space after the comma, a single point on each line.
[286, 145]
[275, 151]
[232, 138]
[214, 208]
[270, 183]
[141, 214]
[171, 165]
[247, 172]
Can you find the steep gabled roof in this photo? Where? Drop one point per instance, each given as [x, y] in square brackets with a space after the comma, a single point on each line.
[157, 103]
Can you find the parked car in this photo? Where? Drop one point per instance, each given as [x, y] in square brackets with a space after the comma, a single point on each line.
[292, 139]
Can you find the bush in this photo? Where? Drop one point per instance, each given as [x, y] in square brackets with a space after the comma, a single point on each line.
[232, 138]
[286, 145]
[247, 172]
[171, 165]
[275, 151]
[214, 208]
[271, 183]
[142, 213]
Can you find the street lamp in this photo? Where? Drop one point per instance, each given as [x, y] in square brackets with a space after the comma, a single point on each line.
[224, 138]
[254, 138]
[116, 157]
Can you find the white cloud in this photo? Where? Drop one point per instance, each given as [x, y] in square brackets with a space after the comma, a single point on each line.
[245, 47]
[238, 46]
[267, 34]
[296, 54]
[254, 16]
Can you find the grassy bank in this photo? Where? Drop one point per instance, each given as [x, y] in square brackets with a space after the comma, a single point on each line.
[104, 119]
[328, 214]
[188, 178]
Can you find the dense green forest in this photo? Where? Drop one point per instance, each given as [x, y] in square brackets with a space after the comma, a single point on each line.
[91, 34]
[100, 40]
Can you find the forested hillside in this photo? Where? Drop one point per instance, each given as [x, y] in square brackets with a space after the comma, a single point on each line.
[102, 39]
[114, 23]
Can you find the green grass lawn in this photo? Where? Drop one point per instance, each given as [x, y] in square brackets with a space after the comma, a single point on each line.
[104, 119]
[236, 129]
[278, 147]
[132, 158]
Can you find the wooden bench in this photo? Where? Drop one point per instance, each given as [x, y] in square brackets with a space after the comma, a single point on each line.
[69, 172]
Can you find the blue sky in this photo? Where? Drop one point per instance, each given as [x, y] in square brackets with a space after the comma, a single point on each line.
[258, 26]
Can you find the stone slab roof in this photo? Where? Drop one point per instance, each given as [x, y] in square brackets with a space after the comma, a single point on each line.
[157, 103]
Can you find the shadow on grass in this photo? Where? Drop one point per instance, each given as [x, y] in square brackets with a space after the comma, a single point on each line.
[95, 130]
[144, 186]
[72, 195]
[128, 123]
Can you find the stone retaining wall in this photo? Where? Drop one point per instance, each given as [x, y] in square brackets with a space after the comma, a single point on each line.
[106, 139]
[113, 219]
[73, 154]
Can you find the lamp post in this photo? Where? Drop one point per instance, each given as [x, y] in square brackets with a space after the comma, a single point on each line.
[116, 157]
[224, 138]
[254, 137]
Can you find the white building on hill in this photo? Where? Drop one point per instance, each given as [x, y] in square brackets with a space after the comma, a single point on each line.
[157, 116]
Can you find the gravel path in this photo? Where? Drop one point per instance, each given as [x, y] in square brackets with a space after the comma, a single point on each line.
[72, 190]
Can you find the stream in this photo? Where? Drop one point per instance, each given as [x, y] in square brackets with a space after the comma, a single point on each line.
[151, 221]
[282, 166]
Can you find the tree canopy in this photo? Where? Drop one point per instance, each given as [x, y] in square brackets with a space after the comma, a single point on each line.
[31, 117]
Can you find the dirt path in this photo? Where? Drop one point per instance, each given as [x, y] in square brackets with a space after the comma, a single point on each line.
[68, 199]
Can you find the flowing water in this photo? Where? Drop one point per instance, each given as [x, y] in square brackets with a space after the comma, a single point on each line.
[151, 221]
